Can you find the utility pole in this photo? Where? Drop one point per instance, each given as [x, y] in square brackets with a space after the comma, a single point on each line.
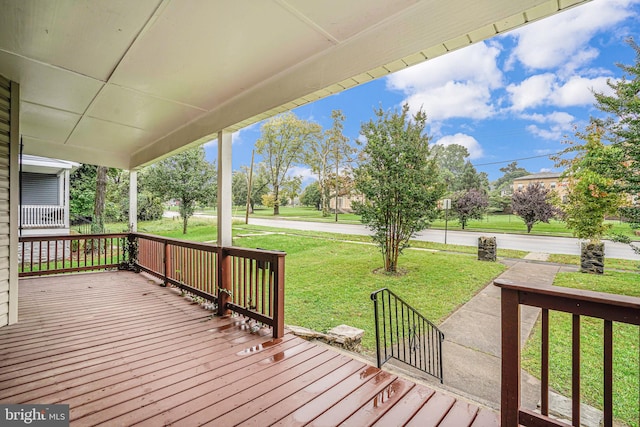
[246, 216]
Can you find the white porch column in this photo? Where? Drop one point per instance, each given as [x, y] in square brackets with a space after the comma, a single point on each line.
[133, 201]
[225, 199]
[14, 200]
[65, 197]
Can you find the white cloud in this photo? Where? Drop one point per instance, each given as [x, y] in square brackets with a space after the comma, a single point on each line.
[579, 91]
[467, 141]
[304, 172]
[531, 92]
[453, 99]
[553, 126]
[457, 84]
[548, 90]
[561, 41]
[559, 117]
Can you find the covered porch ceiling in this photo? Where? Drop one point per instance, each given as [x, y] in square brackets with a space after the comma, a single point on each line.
[122, 83]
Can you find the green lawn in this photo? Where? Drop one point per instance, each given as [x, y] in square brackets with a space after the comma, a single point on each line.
[609, 263]
[626, 351]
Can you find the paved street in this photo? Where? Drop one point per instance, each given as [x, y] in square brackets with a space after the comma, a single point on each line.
[544, 244]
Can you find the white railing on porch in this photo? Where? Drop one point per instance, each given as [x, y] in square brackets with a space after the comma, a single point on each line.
[43, 216]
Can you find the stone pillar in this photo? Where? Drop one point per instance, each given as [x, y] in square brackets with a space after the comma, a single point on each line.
[487, 248]
[133, 201]
[592, 257]
[225, 197]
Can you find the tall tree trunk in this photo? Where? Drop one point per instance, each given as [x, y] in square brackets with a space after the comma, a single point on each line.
[276, 201]
[101, 191]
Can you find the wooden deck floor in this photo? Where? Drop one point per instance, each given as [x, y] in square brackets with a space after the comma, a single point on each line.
[121, 350]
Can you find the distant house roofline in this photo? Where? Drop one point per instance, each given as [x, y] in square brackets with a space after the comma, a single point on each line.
[541, 175]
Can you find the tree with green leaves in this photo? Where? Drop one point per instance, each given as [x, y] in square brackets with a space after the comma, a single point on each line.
[451, 162]
[399, 180]
[311, 196]
[291, 188]
[259, 185]
[470, 179]
[82, 191]
[150, 206]
[468, 205]
[327, 155]
[592, 192]
[623, 126]
[534, 204]
[501, 188]
[342, 156]
[186, 177]
[282, 144]
[510, 172]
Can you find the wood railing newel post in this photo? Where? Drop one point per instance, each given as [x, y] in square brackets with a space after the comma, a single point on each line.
[165, 262]
[510, 318]
[278, 298]
[224, 281]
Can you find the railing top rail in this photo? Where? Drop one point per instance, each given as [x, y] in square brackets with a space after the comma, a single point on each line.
[258, 254]
[43, 237]
[208, 247]
[621, 308]
[374, 295]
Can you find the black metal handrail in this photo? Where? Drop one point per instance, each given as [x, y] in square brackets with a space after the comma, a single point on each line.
[405, 335]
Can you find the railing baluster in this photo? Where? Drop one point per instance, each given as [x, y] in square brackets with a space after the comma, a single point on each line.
[575, 371]
[608, 373]
[544, 374]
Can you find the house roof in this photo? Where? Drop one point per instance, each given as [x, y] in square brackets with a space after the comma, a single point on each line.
[541, 175]
[37, 164]
[122, 83]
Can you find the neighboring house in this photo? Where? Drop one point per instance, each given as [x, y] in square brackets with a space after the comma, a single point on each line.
[345, 202]
[549, 180]
[44, 195]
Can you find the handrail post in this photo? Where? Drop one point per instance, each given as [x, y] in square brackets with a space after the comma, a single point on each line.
[132, 252]
[165, 262]
[510, 399]
[278, 298]
[224, 281]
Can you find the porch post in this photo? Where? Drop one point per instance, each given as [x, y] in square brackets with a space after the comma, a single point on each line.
[14, 200]
[133, 201]
[225, 199]
[510, 391]
[224, 210]
[65, 196]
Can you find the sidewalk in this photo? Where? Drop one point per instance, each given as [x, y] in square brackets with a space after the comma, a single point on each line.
[472, 336]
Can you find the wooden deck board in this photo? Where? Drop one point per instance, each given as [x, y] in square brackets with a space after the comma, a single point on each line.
[121, 350]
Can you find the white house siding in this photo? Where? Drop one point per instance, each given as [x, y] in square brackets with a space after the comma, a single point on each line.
[9, 97]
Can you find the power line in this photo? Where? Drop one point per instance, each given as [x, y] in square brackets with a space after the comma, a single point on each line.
[516, 160]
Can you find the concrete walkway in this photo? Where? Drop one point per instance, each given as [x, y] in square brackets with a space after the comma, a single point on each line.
[472, 336]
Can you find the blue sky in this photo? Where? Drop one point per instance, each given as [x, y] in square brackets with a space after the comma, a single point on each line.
[511, 97]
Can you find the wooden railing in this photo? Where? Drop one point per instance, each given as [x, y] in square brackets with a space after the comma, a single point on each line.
[42, 216]
[41, 255]
[249, 282]
[608, 307]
